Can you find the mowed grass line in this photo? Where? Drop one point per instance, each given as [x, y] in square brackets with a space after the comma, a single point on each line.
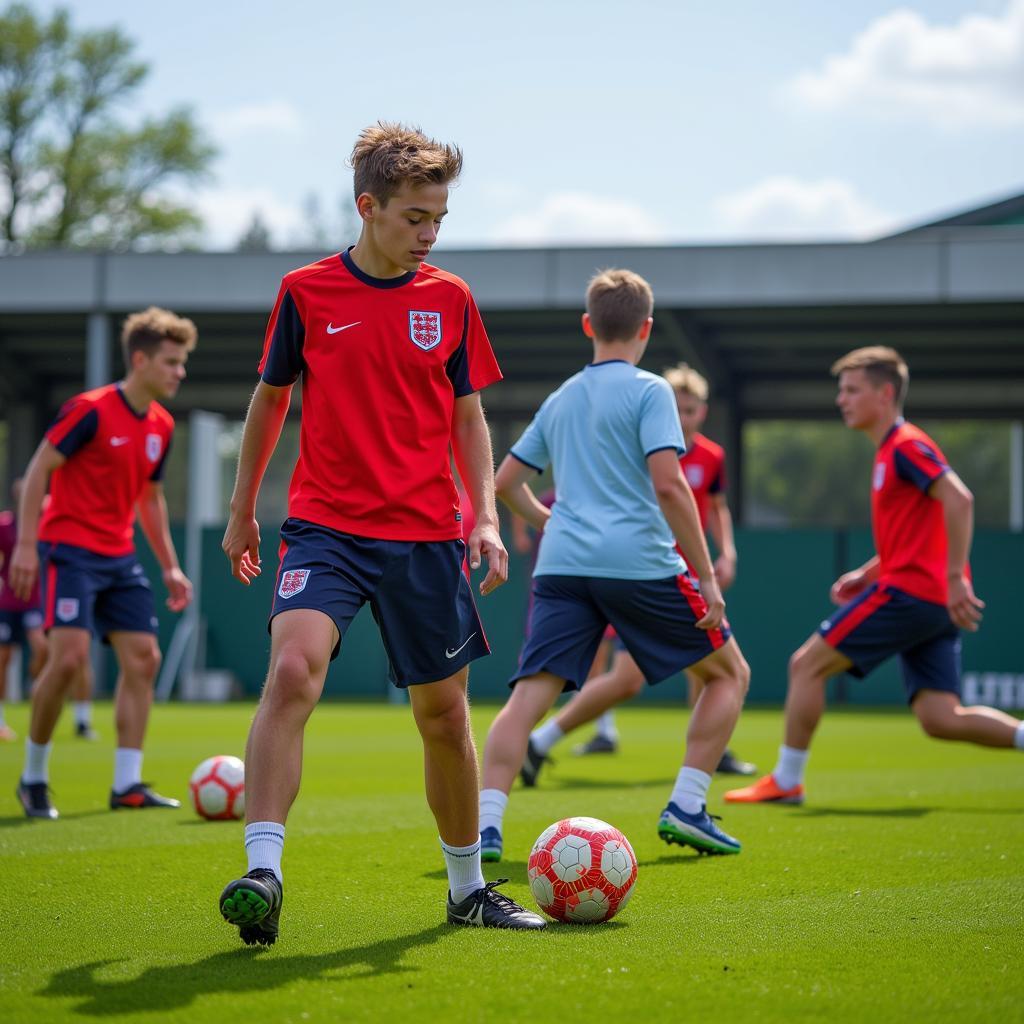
[896, 893]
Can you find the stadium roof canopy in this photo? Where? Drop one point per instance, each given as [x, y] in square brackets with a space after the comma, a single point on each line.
[763, 322]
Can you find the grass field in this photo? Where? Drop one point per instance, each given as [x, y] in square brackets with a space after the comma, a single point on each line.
[896, 893]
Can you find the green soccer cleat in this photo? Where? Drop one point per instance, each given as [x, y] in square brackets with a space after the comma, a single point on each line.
[253, 905]
[696, 830]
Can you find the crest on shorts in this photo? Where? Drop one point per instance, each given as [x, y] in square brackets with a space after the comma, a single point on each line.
[878, 479]
[153, 446]
[67, 608]
[293, 582]
[695, 475]
[424, 329]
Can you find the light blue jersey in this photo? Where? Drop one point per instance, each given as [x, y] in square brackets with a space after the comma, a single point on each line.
[598, 429]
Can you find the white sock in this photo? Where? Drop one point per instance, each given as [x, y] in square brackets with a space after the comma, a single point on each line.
[464, 874]
[606, 726]
[492, 808]
[1018, 737]
[83, 712]
[789, 770]
[691, 790]
[37, 762]
[545, 736]
[264, 844]
[127, 768]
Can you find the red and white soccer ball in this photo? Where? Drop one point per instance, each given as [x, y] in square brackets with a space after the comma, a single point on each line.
[582, 870]
[217, 788]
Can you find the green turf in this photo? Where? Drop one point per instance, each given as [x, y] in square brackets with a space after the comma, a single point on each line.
[895, 893]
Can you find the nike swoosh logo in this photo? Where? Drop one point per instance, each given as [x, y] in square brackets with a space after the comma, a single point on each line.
[331, 329]
[116, 442]
[451, 654]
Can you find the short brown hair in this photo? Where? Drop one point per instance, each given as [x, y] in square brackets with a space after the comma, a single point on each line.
[148, 330]
[881, 364]
[618, 304]
[687, 381]
[388, 154]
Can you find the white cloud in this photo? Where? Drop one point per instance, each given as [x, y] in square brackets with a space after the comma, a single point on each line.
[276, 117]
[969, 73]
[228, 212]
[784, 207]
[579, 217]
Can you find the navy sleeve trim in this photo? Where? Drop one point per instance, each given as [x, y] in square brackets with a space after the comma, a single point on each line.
[519, 458]
[457, 366]
[158, 470]
[912, 473]
[664, 448]
[79, 435]
[284, 357]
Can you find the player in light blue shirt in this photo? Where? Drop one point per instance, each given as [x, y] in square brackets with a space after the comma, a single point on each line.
[607, 557]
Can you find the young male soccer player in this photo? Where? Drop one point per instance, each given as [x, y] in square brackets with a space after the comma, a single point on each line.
[104, 457]
[703, 465]
[392, 353]
[910, 599]
[608, 556]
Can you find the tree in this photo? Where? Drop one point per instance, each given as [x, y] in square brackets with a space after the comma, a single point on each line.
[72, 172]
[256, 237]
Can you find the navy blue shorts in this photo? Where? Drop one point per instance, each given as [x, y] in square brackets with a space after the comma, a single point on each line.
[418, 594]
[14, 626]
[102, 593]
[654, 619]
[884, 621]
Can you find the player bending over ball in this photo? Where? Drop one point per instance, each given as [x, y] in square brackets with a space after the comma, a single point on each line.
[392, 353]
[104, 458]
[911, 599]
[703, 465]
[608, 556]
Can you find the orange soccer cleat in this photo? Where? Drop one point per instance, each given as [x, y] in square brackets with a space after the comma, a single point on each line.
[765, 791]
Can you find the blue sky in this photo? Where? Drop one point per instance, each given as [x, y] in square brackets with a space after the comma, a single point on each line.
[595, 121]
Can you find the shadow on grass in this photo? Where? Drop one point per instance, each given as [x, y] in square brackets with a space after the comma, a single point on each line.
[244, 971]
[555, 783]
[864, 812]
[21, 819]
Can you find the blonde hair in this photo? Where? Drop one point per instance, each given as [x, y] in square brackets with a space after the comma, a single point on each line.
[148, 330]
[388, 154]
[687, 381]
[618, 304]
[881, 365]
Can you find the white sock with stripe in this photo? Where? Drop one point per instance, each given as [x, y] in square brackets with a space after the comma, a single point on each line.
[264, 844]
[37, 762]
[127, 768]
[492, 808]
[464, 873]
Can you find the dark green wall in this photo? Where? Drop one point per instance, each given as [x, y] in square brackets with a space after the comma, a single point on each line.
[780, 598]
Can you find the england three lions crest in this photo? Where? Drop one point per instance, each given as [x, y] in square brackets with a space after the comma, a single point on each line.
[154, 445]
[424, 329]
[293, 582]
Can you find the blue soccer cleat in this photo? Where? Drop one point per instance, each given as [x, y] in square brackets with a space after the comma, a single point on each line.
[696, 830]
[490, 845]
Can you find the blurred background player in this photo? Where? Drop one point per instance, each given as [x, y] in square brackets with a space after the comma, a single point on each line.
[910, 599]
[703, 465]
[392, 354]
[612, 435]
[104, 458]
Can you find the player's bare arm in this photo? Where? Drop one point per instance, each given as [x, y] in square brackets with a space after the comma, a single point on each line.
[854, 582]
[471, 443]
[263, 422]
[958, 511]
[510, 483]
[720, 528]
[680, 510]
[152, 511]
[25, 556]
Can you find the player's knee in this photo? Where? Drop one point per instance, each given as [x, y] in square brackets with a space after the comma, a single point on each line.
[448, 724]
[743, 677]
[292, 678]
[70, 661]
[142, 663]
[631, 685]
[938, 723]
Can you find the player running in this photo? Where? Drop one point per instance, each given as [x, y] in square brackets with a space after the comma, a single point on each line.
[911, 599]
[703, 465]
[608, 556]
[104, 457]
[392, 353]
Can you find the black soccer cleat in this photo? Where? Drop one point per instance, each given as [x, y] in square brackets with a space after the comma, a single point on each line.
[139, 796]
[597, 744]
[85, 731]
[730, 764]
[532, 764]
[253, 905]
[486, 908]
[35, 800]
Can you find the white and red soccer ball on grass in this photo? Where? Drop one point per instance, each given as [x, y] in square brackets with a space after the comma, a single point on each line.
[217, 788]
[582, 870]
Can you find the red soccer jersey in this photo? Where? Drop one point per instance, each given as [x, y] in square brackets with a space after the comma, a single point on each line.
[8, 601]
[382, 362]
[112, 452]
[909, 526]
[703, 465]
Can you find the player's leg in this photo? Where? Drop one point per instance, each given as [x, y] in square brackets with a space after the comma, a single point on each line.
[943, 717]
[606, 736]
[7, 734]
[81, 701]
[729, 763]
[37, 646]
